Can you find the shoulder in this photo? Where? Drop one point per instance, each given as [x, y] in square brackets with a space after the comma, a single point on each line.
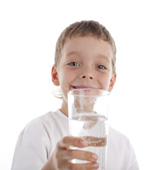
[119, 141]
[119, 144]
[39, 122]
[115, 135]
[121, 151]
[47, 124]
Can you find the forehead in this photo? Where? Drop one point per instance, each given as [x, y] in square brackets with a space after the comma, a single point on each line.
[88, 46]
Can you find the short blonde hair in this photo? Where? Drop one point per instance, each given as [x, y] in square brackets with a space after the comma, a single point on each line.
[85, 28]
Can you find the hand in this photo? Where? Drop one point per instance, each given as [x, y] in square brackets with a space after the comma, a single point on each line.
[62, 156]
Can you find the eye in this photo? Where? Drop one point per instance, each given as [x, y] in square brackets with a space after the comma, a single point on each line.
[101, 67]
[73, 64]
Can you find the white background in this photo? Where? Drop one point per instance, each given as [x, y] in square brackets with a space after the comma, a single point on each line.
[28, 32]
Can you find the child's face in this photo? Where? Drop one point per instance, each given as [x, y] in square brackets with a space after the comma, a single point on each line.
[86, 62]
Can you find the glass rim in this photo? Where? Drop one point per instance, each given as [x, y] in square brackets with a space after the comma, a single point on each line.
[103, 92]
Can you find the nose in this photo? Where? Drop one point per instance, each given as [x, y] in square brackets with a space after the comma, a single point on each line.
[86, 77]
[87, 74]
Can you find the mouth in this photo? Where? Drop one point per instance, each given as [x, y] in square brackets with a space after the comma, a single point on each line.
[83, 87]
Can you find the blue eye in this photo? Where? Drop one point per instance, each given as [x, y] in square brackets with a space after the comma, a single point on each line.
[101, 67]
[73, 64]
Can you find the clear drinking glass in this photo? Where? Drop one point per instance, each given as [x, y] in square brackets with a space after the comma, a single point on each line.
[88, 118]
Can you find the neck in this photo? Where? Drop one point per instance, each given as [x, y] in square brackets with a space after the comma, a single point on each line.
[64, 108]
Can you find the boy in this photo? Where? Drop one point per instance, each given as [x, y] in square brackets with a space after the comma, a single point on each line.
[85, 58]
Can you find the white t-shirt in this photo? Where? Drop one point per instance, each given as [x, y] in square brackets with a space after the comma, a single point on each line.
[38, 140]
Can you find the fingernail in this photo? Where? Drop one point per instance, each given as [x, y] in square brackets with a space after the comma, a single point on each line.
[95, 157]
[95, 165]
[84, 143]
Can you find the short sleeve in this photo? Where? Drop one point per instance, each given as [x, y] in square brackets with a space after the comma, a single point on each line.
[133, 164]
[31, 149]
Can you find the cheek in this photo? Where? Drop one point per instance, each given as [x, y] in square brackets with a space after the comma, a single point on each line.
[65, 78]
[105, 81]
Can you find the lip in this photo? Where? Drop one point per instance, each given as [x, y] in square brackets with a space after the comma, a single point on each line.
[83, 87]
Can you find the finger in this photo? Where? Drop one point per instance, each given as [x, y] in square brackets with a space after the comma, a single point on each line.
[85, 166]
[72, 141]
[79, 154]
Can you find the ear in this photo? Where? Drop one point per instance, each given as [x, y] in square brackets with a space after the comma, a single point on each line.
[112, 82]
[54, 76]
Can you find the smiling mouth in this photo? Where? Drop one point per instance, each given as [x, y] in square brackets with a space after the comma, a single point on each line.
[83, 87]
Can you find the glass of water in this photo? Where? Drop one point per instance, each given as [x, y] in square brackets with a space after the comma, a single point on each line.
[88, 118]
